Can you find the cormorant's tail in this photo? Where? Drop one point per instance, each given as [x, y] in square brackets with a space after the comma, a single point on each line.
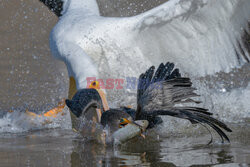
[195, 115]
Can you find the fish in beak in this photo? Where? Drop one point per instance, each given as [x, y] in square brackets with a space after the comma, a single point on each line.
[130, 130]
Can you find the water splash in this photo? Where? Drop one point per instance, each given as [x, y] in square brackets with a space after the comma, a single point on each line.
[18, 121]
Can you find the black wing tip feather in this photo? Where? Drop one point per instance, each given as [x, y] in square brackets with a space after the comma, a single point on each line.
[55, 6]
[145, 81]
[163, 73]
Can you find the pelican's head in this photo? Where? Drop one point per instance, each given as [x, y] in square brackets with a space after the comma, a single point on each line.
[83, 100]
[87, 100]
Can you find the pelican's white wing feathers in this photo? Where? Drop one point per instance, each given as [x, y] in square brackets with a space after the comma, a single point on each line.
[201, 36]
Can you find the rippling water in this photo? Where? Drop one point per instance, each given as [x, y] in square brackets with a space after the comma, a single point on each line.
[32, 79]
[65, 148]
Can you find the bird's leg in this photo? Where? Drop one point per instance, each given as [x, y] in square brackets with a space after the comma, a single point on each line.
[55, 111]
[142, 135]
[59, 109]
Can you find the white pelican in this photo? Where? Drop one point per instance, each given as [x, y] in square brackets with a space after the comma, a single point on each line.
[200, 36]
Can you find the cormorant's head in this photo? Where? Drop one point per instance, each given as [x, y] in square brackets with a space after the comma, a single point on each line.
[143, 124]
[124, 122]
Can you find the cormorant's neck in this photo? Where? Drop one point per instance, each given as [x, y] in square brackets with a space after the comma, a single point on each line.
[86, 6]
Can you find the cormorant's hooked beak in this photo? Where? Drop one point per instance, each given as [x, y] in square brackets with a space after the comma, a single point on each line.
[124, 122]
[143, 124]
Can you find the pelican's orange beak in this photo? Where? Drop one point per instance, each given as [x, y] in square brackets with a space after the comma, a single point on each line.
[96, 85]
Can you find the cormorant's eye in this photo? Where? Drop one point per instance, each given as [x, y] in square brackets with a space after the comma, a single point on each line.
[122, 120]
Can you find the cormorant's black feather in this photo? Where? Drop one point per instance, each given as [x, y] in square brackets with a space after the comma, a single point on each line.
[55, 6]
[175, 74]
[169, 68]
[158, 73]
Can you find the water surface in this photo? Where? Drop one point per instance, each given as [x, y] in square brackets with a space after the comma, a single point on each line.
[65, 148]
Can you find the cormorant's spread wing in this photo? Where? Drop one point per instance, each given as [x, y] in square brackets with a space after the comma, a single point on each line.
[202, 36]
[165, 92]
[163, 89]
[155, 89]
[54, 5]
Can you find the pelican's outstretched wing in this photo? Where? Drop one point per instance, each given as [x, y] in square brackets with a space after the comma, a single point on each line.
[165, 92]
[54, 5]
[201, 36]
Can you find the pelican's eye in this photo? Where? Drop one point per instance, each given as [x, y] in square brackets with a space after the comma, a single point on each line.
[94, 85]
